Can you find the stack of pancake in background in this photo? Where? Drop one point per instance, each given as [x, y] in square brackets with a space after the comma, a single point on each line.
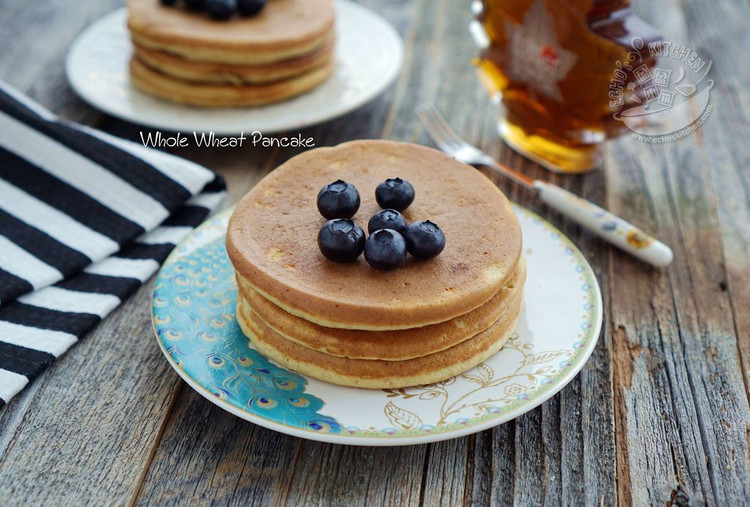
[183, 56]
[350, 324]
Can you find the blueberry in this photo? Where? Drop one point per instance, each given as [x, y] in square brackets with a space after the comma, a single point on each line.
[195, 5]
[385, 249]
[394, 193]
[221, 9]
[250, 7]
[341, 240]
[167, 2]
[338, 200]
[424, 239]
[387, 219]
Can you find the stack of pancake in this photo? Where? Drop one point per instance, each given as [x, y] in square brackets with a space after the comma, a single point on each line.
[350, 324]
[183, 56]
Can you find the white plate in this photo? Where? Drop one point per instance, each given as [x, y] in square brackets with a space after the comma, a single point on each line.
[369, 56]
[193, 314]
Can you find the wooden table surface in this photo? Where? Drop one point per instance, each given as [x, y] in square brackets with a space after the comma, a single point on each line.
[658, 414]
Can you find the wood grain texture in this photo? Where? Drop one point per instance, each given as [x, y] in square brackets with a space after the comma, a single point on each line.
[85, 430]
[78, 431]
[659, 414]
[682, 401]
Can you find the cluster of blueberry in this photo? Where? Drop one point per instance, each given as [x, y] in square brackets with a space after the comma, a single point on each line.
[222, 9]
[342, 240]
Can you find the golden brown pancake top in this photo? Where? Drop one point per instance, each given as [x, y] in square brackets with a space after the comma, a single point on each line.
[281, 24]
[272, 238]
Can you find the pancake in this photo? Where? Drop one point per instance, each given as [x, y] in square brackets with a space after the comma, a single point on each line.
[283, 30]
[272, 239]
[396, 345]
[224, 95]
[378, 374]
[205, 72]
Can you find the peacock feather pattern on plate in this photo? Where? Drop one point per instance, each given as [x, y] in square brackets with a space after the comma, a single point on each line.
[199, 289]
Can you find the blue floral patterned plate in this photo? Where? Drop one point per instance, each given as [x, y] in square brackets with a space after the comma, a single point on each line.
[194, 321]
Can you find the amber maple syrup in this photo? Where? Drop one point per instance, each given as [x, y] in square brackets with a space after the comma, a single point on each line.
[551, 63]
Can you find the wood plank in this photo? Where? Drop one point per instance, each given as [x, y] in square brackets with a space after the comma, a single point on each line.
[420, 86]
[579, 461]
[726, 345]
[328, 474]
[216, 457]
[304, 470]
[681, 403]
[85, 430]
[92, 415]
[468, 117]
[36, 38]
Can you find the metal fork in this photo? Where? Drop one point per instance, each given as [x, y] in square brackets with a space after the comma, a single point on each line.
[597, 220]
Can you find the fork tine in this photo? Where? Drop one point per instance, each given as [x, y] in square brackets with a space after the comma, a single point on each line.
[438, 128]
[431, 122]
[425, 115]
[440, 122]
[447, 135]
[450, 143]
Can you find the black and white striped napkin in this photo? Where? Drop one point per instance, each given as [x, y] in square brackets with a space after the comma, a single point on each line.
[85, 219]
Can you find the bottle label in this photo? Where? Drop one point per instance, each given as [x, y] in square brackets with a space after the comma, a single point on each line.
[535, 56]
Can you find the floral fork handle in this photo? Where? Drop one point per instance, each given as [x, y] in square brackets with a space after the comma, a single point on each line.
[604, 224]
